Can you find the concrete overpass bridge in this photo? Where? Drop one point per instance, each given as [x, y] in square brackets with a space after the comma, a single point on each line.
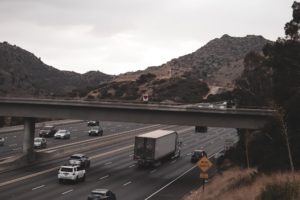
[129, 112]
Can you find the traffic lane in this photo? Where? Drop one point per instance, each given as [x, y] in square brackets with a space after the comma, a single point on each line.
[106, 147]
[79, 131]
[128, 190]
[103, 175]
[89, 153]
[92, 164]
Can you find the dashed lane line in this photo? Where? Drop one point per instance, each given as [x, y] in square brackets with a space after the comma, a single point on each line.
[104, 177]
[38, 187]
[66, 192]
[56, 168]
[125, 184]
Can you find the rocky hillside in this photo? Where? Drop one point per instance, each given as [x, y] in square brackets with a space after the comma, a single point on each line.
[214, 66]
[23, 74]
[219, 62]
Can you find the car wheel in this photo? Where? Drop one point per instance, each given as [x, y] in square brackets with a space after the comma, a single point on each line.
[60, 181]
[76, 180]
[83, 178]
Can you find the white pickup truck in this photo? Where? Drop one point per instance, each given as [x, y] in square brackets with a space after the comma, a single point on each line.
[71, 172]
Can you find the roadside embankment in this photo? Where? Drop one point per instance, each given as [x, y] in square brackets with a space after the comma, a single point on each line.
[250, 185]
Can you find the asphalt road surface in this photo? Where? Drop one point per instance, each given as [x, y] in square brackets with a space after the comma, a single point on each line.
[112, 166]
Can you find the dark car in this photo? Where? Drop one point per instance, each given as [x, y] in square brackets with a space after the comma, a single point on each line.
[102, 194]
[80, 159]
[93, 123]
[47, 131]
[197, 155]
[201, 129]
[96, 130]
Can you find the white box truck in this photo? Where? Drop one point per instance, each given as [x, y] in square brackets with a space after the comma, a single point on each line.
[155, 146]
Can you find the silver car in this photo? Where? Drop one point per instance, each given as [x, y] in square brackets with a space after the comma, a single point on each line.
[40, 143]
[2, 140]
[62, 134]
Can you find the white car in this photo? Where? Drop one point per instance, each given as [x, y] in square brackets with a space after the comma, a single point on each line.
[2, 140]
[71, 172]
[62, 134]
[40, 143]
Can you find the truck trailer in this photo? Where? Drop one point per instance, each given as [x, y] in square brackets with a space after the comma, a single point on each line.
[156, 146]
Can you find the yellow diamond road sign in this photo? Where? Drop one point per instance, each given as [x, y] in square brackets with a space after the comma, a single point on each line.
[204, 164]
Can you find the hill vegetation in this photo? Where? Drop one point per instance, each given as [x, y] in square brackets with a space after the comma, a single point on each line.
[248, 184]
[188, 78]
[23, 74]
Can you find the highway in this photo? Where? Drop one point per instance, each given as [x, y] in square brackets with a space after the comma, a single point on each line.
[112, 166]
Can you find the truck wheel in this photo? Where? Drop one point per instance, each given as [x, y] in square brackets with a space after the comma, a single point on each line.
[76, 180]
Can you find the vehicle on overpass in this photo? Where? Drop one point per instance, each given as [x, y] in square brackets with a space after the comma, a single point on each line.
[72, 173]
[62, 134]
[2, 141]
[101, 194]
[47, 131]
[197, 155]
[201, 129]
[156, 146]
[96, 131]
[80, 159]
[39, 143]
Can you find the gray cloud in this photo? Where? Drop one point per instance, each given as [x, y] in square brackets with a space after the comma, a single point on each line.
[115, 36]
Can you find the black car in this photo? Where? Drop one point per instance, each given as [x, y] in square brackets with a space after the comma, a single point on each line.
[47, 131]
[201, 129]
[96, 130]
[93, 123]
[102, 194]
[80, 159]
[197, 155]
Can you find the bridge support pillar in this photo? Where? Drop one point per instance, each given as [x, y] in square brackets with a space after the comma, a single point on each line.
[28, 140]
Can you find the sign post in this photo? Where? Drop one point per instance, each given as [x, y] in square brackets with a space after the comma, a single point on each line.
[204, 164]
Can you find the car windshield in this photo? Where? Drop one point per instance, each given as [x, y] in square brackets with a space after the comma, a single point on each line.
[65, 169]
[75, 157]
[98, 194]
[38, 139]
[62, 131]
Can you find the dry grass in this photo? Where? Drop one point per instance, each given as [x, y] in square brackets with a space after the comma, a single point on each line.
[236, 184]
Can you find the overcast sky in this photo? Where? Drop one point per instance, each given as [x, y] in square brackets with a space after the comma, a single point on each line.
[117, 36]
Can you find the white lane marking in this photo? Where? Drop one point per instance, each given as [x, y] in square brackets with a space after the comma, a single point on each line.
[66, 192]
[188, 154]
[131, 166]
[11, 145]
[184, 173]
[38, 187]
[171, 182]
[125, 184]
[17, 149]
[56, 168]
[15, 136]
[130, 155]
[154, 170]
[108, 163]
[104, 177]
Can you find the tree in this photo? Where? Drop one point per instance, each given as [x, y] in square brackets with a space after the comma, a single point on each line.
[292, 28]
